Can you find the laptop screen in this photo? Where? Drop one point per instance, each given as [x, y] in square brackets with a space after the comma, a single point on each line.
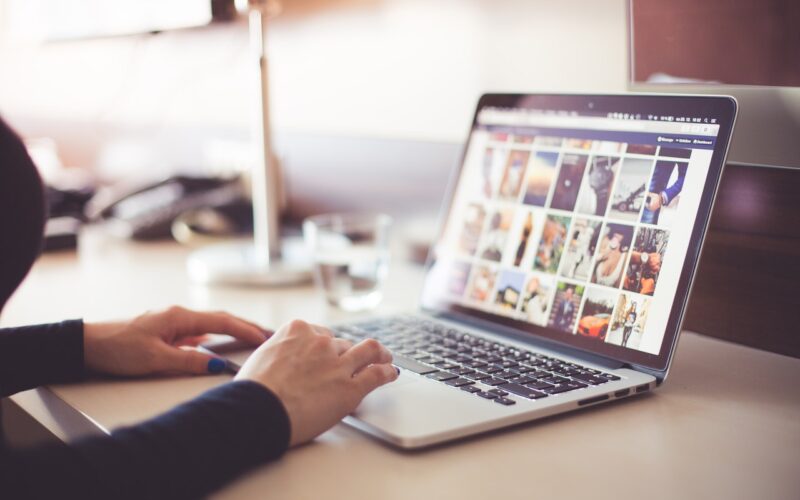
[575, 217]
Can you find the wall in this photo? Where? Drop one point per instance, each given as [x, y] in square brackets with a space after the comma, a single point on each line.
[398, 69]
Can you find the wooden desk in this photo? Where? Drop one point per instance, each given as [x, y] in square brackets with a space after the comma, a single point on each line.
[725, 425]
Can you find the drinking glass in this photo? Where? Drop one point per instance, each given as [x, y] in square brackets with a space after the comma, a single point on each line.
[350, 255]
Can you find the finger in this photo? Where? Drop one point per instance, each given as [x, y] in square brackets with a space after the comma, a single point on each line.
[266, 331]
[321, 330]
[173, 359]
[342, 346]
[374, 376]
[192, 341]
[365, 353]
[192, 323]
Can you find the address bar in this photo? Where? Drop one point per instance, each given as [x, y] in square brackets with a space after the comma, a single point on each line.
[493, 117]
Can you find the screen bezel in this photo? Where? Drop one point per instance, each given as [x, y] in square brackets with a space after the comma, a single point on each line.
[722, 108]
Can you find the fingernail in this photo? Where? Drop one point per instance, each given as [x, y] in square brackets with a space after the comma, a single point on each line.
[216, 365]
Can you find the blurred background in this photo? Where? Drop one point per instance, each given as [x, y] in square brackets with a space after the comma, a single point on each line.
[392, 71]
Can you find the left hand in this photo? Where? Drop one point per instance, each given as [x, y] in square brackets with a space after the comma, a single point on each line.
[151, 343]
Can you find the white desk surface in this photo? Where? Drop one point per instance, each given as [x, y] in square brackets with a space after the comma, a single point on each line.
[726, 424]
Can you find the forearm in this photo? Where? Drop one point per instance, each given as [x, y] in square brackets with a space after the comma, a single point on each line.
[185, 453]
[40, 354]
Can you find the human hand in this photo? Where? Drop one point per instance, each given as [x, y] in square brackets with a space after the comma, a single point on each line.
[151, 343]
[653, 201]
[318, 378]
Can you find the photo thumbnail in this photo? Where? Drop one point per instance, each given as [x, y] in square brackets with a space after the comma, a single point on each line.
[553, 142]
[595, 317]
[509, 289]
[581, 245]
[595, 189]
[535, 302]
[675, 152]
[499, 136]
[608, 147]
[564, 311]
[540, 177]
[522, 139]
[630, 188]
[551, 244]
[474, 216]
[628, 320]
[496, 237]
[647, 256]
[584, 144]
[513, 174]
[569, 181]
[642, 149]
[481, 283]
[457, 278]
[529, 222]
[663, 192]
[490, 170]
[612, 251]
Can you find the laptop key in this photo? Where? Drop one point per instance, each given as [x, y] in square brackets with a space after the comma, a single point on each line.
[475, 363]
[441, 376]
[497, 392]
[486, 395]
[521, 390]
[589, 378]
[564, 388]
[445, 365]
[555, 380]
[463, 371]
[470, 388]
[506, 375]
[411, 365]
[478, 376]
[493, 381]
[522, 380]
[539, 386]
[459, 382]
[505, 401]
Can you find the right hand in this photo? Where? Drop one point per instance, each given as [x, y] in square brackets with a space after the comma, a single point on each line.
[318, 378]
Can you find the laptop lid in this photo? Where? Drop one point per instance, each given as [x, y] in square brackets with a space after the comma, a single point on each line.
[579, 219]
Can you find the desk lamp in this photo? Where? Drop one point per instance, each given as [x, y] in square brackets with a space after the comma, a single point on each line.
[267, 260]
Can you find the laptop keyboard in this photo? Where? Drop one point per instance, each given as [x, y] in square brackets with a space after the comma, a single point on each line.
[487, 369]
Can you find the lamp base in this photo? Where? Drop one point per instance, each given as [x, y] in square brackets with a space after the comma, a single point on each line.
[235, 263]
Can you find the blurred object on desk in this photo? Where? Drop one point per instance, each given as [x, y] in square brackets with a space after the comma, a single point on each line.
[147, 213]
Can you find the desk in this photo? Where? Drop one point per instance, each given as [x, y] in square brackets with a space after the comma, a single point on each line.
[725, 425]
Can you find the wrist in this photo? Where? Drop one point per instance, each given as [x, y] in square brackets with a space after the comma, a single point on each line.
[94, 335]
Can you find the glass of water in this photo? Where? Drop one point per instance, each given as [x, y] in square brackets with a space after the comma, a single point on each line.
[350, 253]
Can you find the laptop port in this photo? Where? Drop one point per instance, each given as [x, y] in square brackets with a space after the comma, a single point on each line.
[596, 399]
[642, 388]
[622, 393]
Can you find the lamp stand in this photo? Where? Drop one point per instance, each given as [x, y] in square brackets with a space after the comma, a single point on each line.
[266, 261]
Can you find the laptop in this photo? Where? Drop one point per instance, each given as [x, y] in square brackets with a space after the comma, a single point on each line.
[569, 239]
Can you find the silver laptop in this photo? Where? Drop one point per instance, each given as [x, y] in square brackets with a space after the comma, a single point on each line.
[569, 240]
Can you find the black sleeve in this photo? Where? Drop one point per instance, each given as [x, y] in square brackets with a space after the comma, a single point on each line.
[185, 453]
[31, 356]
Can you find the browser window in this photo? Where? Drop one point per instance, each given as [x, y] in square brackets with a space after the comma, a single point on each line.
[577, 223]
